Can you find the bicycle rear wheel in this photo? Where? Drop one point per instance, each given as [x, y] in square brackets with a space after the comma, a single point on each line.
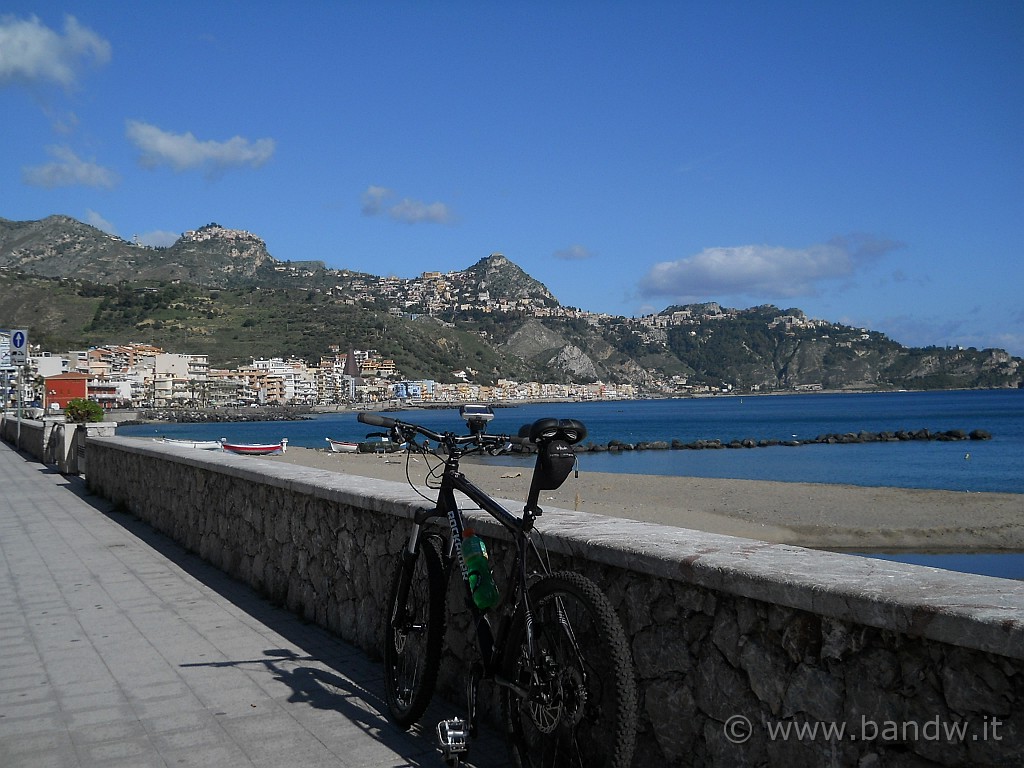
[413, 633]
[576, 704]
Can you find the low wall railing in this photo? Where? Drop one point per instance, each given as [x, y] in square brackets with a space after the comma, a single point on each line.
[52, 440]
[745, 652]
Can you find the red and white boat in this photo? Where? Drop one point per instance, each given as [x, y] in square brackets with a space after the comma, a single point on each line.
[255, 449]
[342, 446]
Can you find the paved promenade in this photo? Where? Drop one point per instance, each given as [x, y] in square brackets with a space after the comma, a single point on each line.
[117, 648]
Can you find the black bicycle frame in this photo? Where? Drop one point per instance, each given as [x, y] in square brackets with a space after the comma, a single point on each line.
[453, 480]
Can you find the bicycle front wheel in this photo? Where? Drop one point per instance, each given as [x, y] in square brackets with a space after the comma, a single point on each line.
[574, 700]
[413, 634]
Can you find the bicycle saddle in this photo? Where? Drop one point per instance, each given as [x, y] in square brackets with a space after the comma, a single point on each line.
[548, 429]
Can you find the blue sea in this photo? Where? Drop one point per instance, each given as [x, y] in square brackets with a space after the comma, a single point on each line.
[995, 465]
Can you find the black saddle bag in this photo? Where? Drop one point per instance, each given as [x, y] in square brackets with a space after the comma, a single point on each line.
[555, 460]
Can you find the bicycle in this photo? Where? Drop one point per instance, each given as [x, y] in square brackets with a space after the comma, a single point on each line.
[553, 645]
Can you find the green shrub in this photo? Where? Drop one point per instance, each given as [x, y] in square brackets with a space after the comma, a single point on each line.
[81, 411]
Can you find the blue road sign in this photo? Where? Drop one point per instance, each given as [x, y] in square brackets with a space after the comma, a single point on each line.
[19, 347]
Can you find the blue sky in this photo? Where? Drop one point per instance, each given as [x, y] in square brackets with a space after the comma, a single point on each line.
[863, 161]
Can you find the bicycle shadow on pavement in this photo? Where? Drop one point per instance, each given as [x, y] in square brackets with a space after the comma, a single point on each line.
[312, 684]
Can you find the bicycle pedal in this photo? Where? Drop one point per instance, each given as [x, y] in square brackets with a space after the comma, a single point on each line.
[453, 737]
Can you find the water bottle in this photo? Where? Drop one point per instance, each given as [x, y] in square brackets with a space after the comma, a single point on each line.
[481, 582]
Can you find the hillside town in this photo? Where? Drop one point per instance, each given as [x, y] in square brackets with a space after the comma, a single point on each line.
[441, 293]
[140, 375]
[145, 376]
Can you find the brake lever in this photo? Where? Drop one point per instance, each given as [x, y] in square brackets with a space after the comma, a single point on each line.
[407, 437]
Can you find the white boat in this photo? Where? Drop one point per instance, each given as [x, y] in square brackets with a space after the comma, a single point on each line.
[255, 449]
[342, 446]
[203, 445]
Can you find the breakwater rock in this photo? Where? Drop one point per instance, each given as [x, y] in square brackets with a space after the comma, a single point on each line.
[217, 415]
[834, 438]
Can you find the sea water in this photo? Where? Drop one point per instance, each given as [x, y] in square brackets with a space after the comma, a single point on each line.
[995, 465]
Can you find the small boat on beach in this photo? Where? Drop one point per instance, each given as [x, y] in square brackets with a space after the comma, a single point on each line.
[203, 445]
[342, 446]
[255, 449]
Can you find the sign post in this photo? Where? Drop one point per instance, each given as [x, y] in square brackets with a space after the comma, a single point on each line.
[5, 367]
[17, 439]
[19, 357]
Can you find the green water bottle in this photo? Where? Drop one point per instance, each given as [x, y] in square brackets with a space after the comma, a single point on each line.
[481, 582]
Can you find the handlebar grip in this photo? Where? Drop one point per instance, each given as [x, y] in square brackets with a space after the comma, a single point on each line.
[376, 420]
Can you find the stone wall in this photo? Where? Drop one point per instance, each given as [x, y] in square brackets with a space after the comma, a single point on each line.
[52, 440]
[29, 435]
[741, 648]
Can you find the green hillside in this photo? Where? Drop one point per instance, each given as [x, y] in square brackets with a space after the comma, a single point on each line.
[218, 291]
[233, 326]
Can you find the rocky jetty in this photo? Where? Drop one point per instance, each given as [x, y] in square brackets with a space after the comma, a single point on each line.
[217, 415]
[846, 438]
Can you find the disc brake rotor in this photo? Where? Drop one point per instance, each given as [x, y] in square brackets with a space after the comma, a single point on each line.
[560, 699]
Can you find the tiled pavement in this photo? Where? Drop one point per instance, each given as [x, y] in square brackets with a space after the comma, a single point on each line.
[118, 648]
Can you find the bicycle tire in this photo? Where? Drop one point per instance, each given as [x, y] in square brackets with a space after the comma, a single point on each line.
[413, 634]
[579, 706]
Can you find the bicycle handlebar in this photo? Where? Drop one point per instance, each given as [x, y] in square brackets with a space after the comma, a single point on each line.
[376, 420]
[448, 438]
[541, 433]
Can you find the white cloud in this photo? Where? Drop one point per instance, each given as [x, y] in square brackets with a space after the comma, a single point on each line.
[373, 200]
[93, 218]
[159, 238]
[763, 272]
[376, 201]
[946, 330]
[573, 253]
[32, 53]
[183, 151]
[68, 170]
[64, 124]
[414, 211]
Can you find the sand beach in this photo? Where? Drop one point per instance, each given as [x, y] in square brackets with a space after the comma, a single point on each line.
[821, 516]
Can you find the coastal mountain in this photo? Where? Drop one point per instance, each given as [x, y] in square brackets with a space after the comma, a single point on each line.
[496, 274]
[220, 292]
[59, 246]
